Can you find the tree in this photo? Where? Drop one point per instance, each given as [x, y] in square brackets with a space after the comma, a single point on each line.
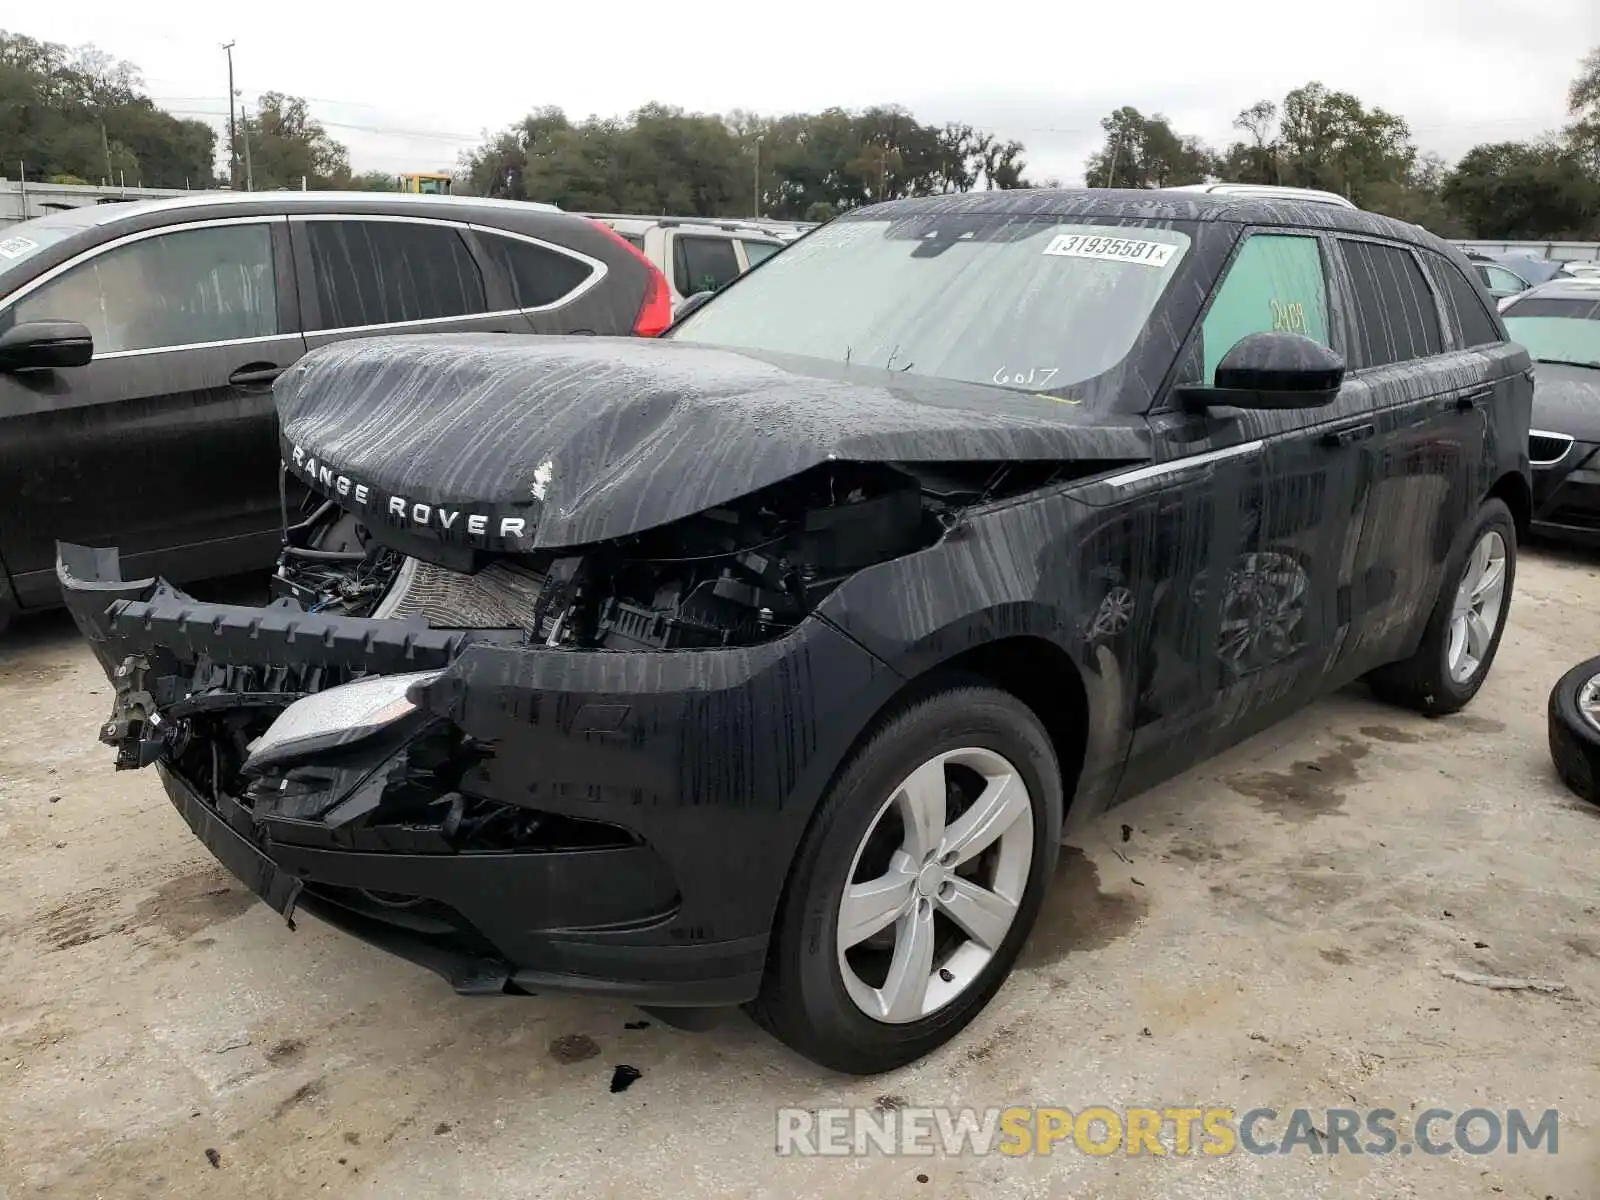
[288, 145]
[83, 114]
[1583, 102]
[1145, 152]
[1525, 190]
[661, 159]
[373, 181]
[1254, 161]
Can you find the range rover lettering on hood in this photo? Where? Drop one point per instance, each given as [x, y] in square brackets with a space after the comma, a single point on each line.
[586, 439]
[485, 527]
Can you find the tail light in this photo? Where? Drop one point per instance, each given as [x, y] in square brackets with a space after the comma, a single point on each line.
[655, 313]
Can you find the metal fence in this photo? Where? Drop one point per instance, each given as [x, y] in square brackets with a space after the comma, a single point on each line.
[21, 200]
[1555, 251]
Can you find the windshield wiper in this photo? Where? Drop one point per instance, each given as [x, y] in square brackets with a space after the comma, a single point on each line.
[1567, 362]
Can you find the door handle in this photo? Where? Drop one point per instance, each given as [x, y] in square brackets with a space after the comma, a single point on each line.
[1347, 436]
[255, 374]
[1474, 398]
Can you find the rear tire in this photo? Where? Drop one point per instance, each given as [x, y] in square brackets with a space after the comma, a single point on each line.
[1463, 634]
[964, 749]
[1574, 722]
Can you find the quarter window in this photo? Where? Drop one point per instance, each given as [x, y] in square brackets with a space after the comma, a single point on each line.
[1471, 318]
[1501, 280]
[1275, 283]
[177, 289]
[386, 272]
[703, 264]
[539, 276]
[759, 252]
[1395, 314]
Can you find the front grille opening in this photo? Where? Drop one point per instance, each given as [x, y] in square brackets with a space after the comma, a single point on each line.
[487, 826]
[501, 596]
[1547, 449]
[431, 920]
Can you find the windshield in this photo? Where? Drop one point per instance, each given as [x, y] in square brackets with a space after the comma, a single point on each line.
[1026, 302]
[1566, 331]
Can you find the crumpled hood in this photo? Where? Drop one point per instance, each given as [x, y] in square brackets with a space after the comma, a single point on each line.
[1567, 400]
[523, 443]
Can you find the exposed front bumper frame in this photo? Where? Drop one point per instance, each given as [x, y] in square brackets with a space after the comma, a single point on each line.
[715, 759]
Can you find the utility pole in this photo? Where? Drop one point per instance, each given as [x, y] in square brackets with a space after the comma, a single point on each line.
[233, 153]
[249, 171]
[757, 191]
[105, 148]
[1111, 167]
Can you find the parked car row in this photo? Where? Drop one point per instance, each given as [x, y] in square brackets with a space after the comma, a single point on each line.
[700, 255]
[139, 344]
[1507, 275]
[767, 661]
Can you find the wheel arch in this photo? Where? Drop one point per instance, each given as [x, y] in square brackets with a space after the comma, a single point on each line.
[1516, 493]
[1033, 668]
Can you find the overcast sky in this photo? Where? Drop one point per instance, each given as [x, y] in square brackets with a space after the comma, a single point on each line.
[411, 92]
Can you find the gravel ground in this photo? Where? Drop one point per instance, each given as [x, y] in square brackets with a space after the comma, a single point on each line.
[1272, 931]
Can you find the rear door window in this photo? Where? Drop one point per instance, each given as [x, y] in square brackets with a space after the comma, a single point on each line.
[759, 252]
[387, 272]
[540, 277]
[703, 264]
[1276, 282]
[1397, 319]
[187, 287]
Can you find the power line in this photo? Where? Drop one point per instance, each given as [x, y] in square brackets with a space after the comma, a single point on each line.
[446, 136]
[392, 131]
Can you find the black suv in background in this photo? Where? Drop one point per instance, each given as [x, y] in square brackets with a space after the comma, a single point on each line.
[139, 343]
[769, 661]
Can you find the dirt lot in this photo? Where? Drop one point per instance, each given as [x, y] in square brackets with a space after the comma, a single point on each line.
[1272, 932]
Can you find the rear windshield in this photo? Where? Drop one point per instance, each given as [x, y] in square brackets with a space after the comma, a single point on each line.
[1019, 301]
[1557, 330]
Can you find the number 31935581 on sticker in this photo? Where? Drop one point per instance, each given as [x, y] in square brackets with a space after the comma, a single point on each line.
[1111, 249]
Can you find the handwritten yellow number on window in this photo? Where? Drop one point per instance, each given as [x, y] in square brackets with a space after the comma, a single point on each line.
[1288, 317]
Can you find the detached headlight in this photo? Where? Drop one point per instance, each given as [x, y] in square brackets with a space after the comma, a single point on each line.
[336, 717]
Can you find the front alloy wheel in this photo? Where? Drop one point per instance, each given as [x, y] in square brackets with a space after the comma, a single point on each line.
[916, 882]
[935, 884]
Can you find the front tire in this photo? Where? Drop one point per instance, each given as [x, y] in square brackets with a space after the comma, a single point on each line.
[916, 884]
[1464, 630]
[1574, 725]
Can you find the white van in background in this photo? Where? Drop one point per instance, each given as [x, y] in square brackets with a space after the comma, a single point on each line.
[700, 254]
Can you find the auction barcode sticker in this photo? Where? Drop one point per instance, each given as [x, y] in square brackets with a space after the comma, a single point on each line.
[16, 247]
[1111, 249]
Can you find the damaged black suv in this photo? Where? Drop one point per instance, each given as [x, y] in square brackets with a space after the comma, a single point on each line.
[768, 662]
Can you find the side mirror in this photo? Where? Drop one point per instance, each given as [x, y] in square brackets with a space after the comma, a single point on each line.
[1272, 370]
[689, 304]
[45, 346]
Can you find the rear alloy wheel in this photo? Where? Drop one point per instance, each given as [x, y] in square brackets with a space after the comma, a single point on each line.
[1574, 726]
[1467, 622]
[916, 884]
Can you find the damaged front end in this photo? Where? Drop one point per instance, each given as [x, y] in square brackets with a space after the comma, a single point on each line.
[300, 742]
[737, 574]
[552, 708]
